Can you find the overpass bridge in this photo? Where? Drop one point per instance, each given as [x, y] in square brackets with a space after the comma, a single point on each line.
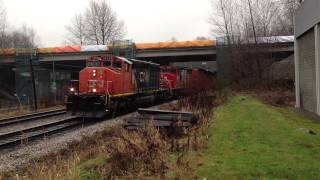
[55, 67]
[187, 53]
[152, 52]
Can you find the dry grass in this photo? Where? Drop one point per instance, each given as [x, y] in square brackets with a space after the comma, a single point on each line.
[279, 93]
[278, 97]
[148, 153]
[136, 153]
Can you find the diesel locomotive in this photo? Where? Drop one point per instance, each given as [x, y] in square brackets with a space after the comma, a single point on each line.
[109, 82]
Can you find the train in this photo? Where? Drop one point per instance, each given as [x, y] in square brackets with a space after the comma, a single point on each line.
[109, 82]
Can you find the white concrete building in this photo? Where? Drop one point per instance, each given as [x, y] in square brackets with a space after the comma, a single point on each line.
[307, 56]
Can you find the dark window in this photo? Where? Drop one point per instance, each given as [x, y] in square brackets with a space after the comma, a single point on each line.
[117, 64]
[93, 63]
[169, 70]
[173, 71]
[106, 63]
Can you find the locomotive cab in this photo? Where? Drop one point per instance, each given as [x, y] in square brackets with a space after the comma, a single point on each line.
[169, 77]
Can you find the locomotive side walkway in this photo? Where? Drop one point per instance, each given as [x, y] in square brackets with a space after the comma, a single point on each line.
[251, 140]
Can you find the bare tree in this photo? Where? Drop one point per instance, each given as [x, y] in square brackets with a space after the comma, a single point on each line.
[23, 37]
[99, 24]
[3, 26]
[267, 15]
[77, 30]
[252, 22]
[102, 24]
[242, 23]
[202, 38]
[173, 39]
[289, 8]
[222, 19]
[253, 18]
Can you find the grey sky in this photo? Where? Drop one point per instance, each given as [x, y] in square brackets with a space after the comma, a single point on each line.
[146, 20]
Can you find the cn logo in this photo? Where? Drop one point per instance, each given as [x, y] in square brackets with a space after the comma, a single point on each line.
[142, 76]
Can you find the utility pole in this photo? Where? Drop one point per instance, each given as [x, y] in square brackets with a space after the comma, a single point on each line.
[54, 82]
[253, 26]
[33, 83]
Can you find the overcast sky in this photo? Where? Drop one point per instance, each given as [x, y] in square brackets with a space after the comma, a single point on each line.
[146, 20]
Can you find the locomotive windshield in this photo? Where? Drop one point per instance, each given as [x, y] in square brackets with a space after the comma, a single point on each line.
[93, 64]
[106, 63]
[169, 70]
[117, 64]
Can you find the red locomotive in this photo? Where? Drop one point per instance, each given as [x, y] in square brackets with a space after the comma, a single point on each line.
[173, 78]
[109, 82]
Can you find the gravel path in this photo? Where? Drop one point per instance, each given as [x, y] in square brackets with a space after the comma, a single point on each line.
[14, 159]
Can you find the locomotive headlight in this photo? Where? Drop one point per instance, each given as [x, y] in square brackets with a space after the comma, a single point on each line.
[72, 89]
[94, 73]
[94, 90]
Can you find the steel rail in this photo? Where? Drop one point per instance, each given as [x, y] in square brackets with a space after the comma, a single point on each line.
[18, 137]
[30, 117]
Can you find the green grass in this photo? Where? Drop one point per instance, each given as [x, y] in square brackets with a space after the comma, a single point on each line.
[251, 140]
[88, 168]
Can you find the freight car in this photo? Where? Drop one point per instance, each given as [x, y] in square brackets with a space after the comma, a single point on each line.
[109, 82]
[200, 80]
[183, 81]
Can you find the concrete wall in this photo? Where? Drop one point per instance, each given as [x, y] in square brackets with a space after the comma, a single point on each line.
[307, 16]
[307, 74]
[307, 56]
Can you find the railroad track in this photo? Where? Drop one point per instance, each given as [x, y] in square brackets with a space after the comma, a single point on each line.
[24, 135]
[31, 117]
[9, 139]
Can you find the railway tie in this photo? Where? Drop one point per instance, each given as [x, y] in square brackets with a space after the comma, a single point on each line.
[160, 119]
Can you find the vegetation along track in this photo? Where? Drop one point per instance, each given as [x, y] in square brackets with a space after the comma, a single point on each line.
[12, 138]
